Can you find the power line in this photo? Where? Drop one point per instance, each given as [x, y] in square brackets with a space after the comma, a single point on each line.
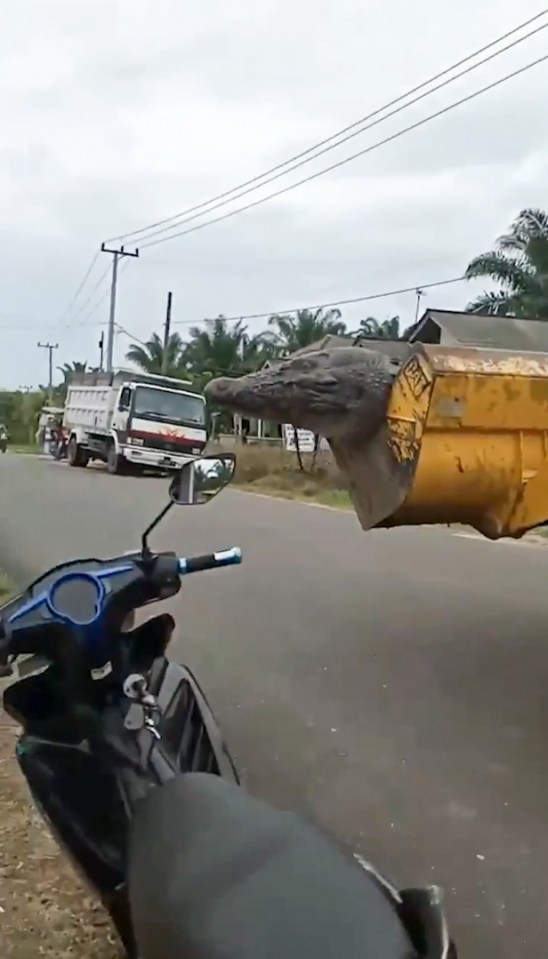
[354, 156]
[80, 287]
[89, 297]
[131, 336]
[227, 195]
[325, 306]
[102, 299]
[268, 313]
[350, 136]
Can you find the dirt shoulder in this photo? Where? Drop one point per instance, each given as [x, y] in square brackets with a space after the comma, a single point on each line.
[44, 909]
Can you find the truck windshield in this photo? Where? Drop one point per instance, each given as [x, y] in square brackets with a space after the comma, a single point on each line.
[172, 407]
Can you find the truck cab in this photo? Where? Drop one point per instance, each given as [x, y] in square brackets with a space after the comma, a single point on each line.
[134, 421]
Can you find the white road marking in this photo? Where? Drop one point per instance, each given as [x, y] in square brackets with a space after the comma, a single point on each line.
[528, 543]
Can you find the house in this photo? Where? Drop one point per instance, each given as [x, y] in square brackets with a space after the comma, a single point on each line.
[450, 328]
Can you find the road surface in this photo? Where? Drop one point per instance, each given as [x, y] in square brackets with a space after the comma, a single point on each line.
[392, 686]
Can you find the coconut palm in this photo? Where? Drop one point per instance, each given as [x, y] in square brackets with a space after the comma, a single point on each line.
[149, 356]
[293, 332]
[374, 329]
[519, 265]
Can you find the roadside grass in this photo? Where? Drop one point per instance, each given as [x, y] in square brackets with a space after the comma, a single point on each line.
[44, 909]
[276, 472]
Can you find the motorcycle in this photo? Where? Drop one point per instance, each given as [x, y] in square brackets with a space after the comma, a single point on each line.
[127, 765]
[3, 444]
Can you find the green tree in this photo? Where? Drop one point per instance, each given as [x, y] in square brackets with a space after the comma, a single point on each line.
[519, 265]
[291, 333]
[19, 412]
[67, 369]
[149, 356]
[221, 348]
[374, 329]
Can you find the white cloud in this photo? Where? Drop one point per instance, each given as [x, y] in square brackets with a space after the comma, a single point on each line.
[116, 113]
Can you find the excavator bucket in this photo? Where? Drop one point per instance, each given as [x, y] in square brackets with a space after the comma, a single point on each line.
[464, 440]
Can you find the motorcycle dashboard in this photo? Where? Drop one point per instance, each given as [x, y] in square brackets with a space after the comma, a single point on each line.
[75, 594]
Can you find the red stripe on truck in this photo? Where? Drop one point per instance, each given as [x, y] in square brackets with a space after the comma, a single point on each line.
[166, 438]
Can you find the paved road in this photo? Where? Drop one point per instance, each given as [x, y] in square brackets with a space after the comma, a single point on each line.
[393, 686]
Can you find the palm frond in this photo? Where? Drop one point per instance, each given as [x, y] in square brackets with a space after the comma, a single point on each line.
[491, 304]
[502, 268]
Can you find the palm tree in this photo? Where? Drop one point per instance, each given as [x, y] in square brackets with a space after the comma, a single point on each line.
[519, 264]
[220, 349]
[149, 356]
[374, 329]
[59, 392]
[67, 369]
[304, 328]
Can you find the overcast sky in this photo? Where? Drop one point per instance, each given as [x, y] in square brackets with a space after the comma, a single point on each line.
[118, 113]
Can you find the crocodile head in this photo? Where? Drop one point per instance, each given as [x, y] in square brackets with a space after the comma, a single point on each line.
[332, 392]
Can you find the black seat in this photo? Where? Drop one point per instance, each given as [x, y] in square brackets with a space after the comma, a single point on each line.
[216, 874]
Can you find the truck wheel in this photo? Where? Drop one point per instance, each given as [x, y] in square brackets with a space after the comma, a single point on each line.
[115, 463]
[76, 456]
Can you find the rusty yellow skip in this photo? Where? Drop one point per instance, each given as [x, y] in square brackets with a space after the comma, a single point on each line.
[465, 441]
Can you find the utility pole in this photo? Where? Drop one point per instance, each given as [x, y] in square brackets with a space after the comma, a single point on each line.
[116, 254]
[167, 327]
[419, 295]
[101, 352]
[50, 347]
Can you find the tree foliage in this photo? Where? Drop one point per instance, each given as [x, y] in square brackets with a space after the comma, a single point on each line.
[293, 332]
[149, 356]
[519, 267]
[373, 329]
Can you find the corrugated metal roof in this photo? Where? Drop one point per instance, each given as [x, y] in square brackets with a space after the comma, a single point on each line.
[328, 341]
[495, 332]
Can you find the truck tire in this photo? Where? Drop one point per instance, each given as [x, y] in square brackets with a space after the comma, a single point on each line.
[76, 456]
[115, 463]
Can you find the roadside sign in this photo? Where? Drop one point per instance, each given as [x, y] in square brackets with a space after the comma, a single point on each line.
[305, 437]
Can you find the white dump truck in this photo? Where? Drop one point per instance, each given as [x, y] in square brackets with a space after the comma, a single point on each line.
[133, 421]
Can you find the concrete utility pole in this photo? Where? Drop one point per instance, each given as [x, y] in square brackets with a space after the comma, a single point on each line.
[167, 327]
[116, 254]
[419, 294]
[50, 347]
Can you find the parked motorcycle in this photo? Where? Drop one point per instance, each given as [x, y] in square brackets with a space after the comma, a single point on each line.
[128, 767]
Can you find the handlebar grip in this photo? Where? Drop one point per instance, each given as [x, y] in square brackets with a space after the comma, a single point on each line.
[224, 557]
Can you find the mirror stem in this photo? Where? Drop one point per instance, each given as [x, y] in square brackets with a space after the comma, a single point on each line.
[158, 519]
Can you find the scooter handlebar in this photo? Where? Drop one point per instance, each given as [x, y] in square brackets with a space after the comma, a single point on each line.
[223, 557]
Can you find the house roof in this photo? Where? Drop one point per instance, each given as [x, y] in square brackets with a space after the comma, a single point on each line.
[329, 340]
[473, 329]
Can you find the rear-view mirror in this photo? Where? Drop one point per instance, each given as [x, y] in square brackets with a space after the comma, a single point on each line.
[199, 480]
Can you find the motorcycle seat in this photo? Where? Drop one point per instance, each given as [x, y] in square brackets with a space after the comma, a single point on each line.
[216, 874]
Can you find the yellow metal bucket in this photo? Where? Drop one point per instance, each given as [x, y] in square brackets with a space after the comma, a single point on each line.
[465, 441]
